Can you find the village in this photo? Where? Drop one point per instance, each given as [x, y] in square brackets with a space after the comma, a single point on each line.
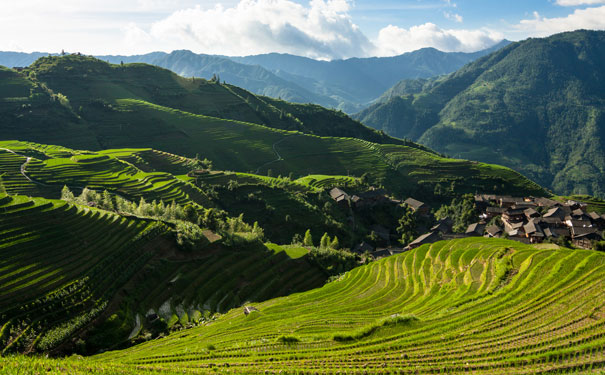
[529, 220]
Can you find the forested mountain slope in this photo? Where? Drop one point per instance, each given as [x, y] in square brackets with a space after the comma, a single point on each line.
[537, 106]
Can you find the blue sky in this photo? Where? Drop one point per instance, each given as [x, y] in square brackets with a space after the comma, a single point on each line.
[323, 29]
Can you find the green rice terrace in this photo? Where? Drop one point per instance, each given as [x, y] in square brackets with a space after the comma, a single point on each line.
[84, 103]
[481, 306]
[69, 271]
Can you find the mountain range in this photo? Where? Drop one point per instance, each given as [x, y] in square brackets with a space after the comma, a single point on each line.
[349, 85]
[537, 106]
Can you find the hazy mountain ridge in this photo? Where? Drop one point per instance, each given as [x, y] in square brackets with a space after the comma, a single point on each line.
[349, 84]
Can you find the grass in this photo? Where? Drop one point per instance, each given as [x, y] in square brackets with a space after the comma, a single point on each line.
[293, 251]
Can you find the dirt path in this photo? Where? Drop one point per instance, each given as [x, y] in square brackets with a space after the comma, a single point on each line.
[27, 160]
[137, 327]
[279, 158]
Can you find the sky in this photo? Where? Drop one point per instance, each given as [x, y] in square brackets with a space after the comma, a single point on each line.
[320, 29]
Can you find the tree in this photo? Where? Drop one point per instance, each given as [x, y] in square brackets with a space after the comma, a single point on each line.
[107, 202]
[308, 239]
[190, 214]
[335, 243]
[407, 226]
[461, 211]
[324, 243]
[2, 189]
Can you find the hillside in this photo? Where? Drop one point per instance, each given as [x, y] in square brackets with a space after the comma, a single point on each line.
[72, 272]
[344, 84]
[356, 82]
[481, 306]
[535, 106]
[114, 106]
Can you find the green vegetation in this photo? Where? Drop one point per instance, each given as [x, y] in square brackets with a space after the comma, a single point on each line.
[70, 271]
[477, 305]
[535, 106]
[461, 211]
[137, 105]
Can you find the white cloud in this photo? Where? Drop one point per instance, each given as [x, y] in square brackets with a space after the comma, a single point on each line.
[453, 16]
[393, 40]
[589, 18]
[575, 3]
[323, 30]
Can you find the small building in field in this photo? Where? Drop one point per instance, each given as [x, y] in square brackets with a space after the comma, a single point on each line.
[429, 237]
[475, 230]
[363, 247]
[443, 226]
[339, 196]
[417, 206]
[584, 237]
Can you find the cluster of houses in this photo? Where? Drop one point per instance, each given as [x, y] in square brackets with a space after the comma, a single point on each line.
[528, 220]
[534, 220]
[368, 198]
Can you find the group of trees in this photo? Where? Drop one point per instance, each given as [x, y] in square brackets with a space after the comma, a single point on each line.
[462, 212]
[110, 202]
[325, 243]
[186, 220]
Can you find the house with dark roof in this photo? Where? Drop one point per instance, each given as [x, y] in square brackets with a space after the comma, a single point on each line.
[339, 196]
[381, 232]
[429, 237]
[493, 231]
[370, 198]
[584, 237]
[491, 212]
[597, 220]
[531, 213]
[513, 215]
[556, 212]
[417, 206]
[545, 202]
[510, 201]
[475, 229]
[381, 253]
[363, 247]
[534, 232]
[443, 226]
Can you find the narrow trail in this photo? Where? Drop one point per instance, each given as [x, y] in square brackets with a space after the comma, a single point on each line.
[137, 327]
[72, 187]
[22, 169]
[279, 158]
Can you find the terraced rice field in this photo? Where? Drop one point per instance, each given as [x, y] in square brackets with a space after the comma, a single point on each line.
[467, 306]
[52, 168]
[60, 264]
[319, 181]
